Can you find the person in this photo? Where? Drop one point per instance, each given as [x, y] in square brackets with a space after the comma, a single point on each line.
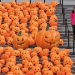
[72, 17]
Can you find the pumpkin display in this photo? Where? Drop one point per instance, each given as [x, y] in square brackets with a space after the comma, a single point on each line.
[29, 40]
[20, 41]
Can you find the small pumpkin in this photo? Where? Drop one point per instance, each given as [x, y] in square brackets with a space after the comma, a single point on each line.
[30, 72]
[53, 20]
[20, 41]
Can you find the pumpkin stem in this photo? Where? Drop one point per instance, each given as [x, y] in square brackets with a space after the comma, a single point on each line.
[20, 33]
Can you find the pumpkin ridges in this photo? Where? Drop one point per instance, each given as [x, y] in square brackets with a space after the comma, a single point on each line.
[38, 40]
[47, 45]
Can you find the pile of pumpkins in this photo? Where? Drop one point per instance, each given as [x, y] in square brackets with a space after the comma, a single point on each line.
[29, 34]
[21, 25]
[35, 61]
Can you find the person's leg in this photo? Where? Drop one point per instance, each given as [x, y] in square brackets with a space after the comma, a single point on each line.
[73, 29]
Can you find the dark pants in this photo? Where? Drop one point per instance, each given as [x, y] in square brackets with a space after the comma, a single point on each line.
[73, 26]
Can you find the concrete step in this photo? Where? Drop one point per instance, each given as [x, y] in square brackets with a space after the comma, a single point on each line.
[66, 12]
[61, 25]
[62, 30]
[68, 22]
[65, 6]
[61, 17]
[61, 20]
[66, 9]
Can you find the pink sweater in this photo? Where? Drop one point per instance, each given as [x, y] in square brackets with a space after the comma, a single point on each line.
[72, 17]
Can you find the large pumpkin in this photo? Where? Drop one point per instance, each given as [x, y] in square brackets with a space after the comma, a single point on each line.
[20, 41]
[47, 39]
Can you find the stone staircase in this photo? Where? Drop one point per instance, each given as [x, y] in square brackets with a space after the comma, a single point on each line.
[61, 29]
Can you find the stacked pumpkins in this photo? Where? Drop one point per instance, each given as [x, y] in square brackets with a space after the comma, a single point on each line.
[24, 25]
[36, 61]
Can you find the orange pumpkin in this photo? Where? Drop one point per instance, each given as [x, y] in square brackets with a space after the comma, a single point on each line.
[30, 72]
[53, 20]
[54, 4]
[5, 56]
[5, 70]
[50, 12]
[31, 41]
[48, 39]
[20, 41]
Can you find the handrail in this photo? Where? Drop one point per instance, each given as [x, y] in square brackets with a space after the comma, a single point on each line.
[63, 12]
[69, 32]
[62, 6]
[44, 1]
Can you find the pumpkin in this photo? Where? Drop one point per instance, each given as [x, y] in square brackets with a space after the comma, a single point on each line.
[44, 52]
[61, 73]
[50, 12]
[34, 17]
[0, 69]
[20, 41]
[53, 20]
[2, 61]
[55, 70]
[15, 68]
[44, 61]
[5, 56]
[43, 26]
[1, 50]
[36, 69]
[54, 4]
[5, 70]
[66, 70]
[55, 50]
[44, 70]
[54, 28]
[47, 39]
[30, 72]
[48, 65]
[44, 16]
[10, 64]
[18, 72]
[69, 74]
[55, 57]
[6, 35]
[31, 41]
[49, 73]
[61, 42]
[68, 62]
[39, 40]
[33, 23]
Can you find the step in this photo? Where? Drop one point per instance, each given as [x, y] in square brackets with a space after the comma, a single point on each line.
[68, 22]
[66, 9]
[67, 5]
[61, 16]
[65, 12]
[61, 25]
[62, 30]
[61, 20]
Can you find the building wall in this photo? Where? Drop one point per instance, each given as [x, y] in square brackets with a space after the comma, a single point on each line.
[66, 2]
